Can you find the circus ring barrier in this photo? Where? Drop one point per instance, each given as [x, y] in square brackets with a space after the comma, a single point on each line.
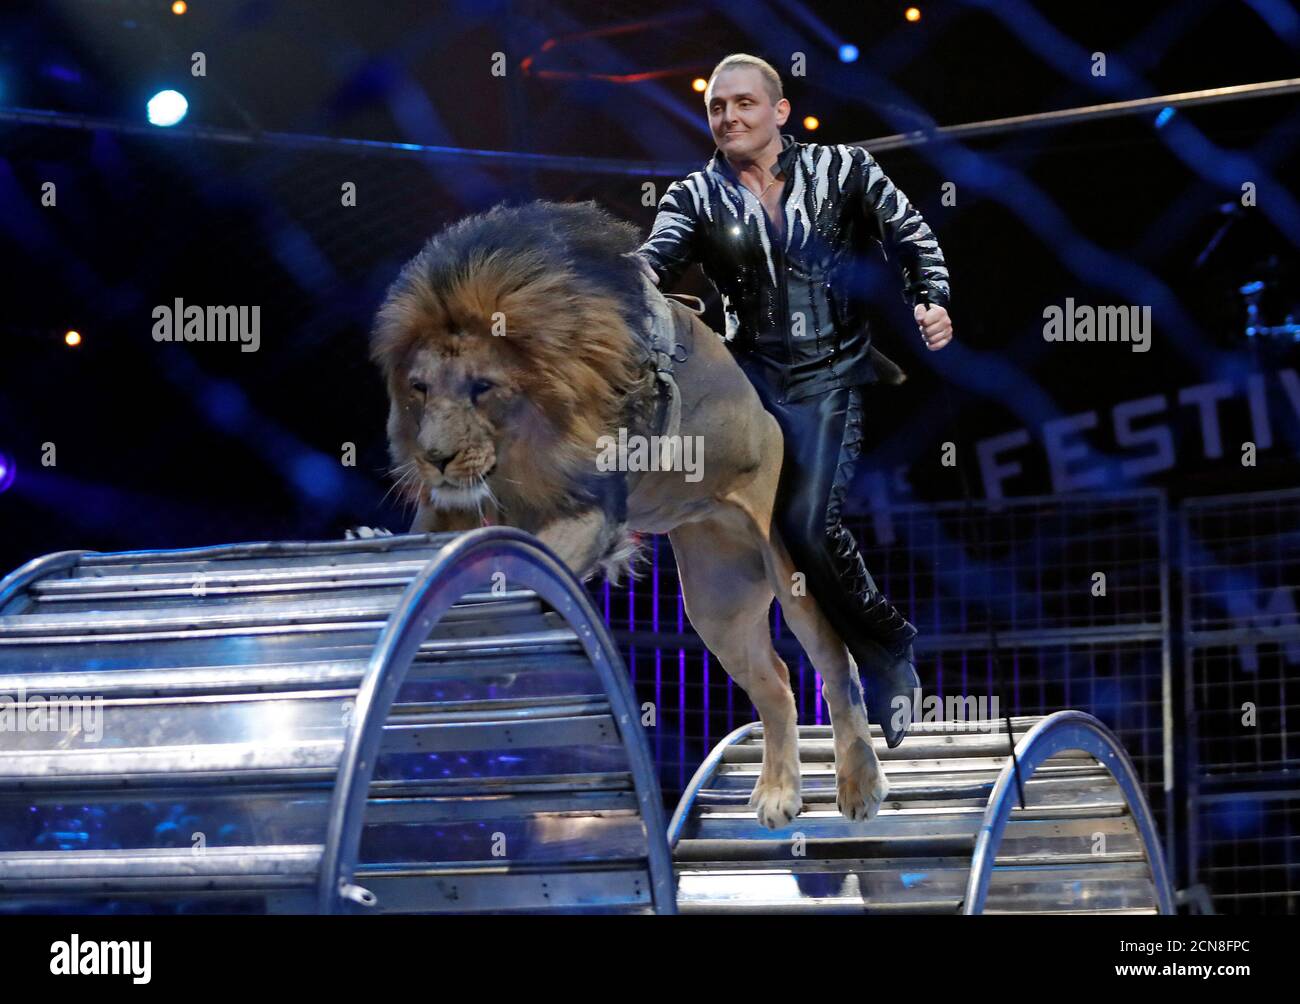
[950, 837]
[429, 723]
[439, 723]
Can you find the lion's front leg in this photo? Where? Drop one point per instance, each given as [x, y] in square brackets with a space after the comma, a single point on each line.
[580, 541]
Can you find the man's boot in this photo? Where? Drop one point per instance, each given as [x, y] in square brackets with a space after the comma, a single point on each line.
[891, 686]
[880, 638]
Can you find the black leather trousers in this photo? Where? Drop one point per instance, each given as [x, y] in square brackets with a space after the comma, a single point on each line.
[823, 439]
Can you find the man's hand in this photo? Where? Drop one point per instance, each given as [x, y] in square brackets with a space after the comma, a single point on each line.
[645, 267]
[935, 326]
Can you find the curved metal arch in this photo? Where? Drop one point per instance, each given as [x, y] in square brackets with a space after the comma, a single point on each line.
[1058, 733]
[13, 585]
[465, 563]
[701, 777]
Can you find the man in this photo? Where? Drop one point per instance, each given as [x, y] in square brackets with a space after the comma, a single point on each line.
[779, 228]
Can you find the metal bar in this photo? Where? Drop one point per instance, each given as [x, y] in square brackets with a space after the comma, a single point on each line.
[1220, 637]
[269, 548]
[16, 583]
[1167, 694]
[1244, 498]
[1189, 702]
[640, 168]
[993, 726]
[532, 733]
[701, 777]
[300, 141]
[308, 576]
[251, 614]
[1085, 113]
[214, 763]
[182, 680]
[781, 849]
[973, 640]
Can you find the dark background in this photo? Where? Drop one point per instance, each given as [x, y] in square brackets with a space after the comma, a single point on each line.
[168, 445]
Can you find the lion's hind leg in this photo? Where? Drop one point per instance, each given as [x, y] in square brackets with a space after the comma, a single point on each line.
[727, 597]
[860, 782]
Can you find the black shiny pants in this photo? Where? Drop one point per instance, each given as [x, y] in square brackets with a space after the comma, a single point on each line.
[823, 439]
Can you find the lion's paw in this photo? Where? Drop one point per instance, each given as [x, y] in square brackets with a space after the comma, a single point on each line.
[776, 803]
[365, 532]
[860, 783]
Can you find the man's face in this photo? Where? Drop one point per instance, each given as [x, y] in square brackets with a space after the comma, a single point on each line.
[742, 117]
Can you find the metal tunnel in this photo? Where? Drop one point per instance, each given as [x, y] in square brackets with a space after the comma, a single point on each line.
[951, 836]
[430, 723]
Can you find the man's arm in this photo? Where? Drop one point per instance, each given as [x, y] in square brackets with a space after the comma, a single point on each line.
[905, 234]
[671, 246]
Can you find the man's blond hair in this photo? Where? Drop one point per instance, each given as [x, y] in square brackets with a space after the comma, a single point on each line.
[743, 60]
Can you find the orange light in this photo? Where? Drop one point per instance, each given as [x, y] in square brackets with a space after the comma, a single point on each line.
[913, 14]
[811, 122]
[698, 85]
[73, 338]
[180, 7]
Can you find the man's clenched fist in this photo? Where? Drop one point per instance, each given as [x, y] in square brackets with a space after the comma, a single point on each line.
[935, 325]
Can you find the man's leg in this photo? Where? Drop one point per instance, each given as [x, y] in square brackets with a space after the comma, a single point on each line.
[878, 619]
[823, 442]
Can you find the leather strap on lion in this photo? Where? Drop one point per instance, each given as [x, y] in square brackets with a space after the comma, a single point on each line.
[666, 347]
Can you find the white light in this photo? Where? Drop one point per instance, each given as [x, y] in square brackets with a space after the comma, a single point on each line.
[166, 108]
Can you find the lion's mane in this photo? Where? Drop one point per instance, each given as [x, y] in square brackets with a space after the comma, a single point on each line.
[559, 277]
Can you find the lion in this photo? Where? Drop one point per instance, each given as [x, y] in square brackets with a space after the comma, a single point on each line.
[510, 346]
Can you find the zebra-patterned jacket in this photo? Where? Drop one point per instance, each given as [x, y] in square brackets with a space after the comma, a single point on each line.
[796, 300]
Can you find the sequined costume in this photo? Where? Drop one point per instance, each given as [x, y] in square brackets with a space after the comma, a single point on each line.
[796, 322]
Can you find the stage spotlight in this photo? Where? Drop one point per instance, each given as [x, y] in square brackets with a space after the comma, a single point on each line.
[8, 471]
[72, 338]
[913, 14]
[1166, 113]
[180, 7]
[848, 53]
[699, 84]
[811, 122]
[166, 108]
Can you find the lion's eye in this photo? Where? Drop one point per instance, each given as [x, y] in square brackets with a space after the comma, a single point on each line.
[480, 387]
[420, 387]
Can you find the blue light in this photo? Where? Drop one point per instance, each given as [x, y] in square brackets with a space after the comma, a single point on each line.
[166, 108]
[316, 476]
[67, 74]
[848, 53]
[8, 471]
[1166, 113]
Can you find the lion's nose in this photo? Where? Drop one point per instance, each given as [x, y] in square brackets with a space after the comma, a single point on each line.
[439, 460]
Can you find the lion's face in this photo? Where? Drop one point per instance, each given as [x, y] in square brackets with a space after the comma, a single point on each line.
[504, 366]
[453, 407]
